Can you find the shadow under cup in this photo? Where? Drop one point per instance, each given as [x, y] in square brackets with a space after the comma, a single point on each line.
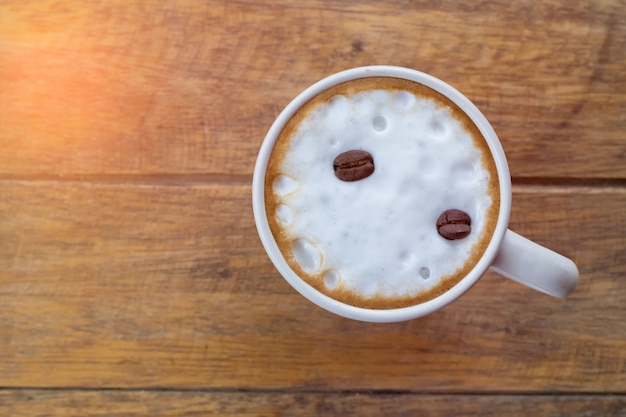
[422, 306]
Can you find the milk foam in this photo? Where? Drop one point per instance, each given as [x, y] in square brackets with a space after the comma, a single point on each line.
[378, 236]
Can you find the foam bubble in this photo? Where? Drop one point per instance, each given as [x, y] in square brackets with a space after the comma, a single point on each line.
[307, 255]
[379, 123]
[404, 100]
[284, 214]
[331, 279]
[424, 272]
[284, 185]
[438, 126]
[363, 104]
[337, 102]
[464, 172]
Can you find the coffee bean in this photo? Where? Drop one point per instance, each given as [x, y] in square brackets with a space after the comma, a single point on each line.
[454, 224]
[353, 165]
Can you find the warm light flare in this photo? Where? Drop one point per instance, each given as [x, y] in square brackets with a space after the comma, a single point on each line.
[56, 87]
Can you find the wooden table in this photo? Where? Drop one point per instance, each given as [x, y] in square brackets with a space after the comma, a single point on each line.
[132, 279]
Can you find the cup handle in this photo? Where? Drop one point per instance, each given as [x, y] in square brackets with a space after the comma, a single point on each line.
[535, 266]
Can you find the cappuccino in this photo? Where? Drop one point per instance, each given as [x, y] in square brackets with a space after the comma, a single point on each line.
[381, 193]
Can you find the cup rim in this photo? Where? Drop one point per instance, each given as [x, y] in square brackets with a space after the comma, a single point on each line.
[359, 313]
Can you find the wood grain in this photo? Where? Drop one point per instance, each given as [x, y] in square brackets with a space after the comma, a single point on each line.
[185, 87]
[167, 285]
[132, 280]
[34, 403]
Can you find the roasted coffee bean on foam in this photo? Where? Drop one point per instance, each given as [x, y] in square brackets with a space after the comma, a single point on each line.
[359, 182]
[454, 224]
[353, 165]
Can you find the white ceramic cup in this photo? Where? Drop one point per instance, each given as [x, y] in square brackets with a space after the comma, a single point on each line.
[508, 253]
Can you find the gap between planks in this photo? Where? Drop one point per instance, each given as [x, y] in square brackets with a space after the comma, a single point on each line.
[287, 391]
[520, 184]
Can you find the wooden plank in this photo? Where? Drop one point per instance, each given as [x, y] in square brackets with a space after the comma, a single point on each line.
[34, 403]
[161, 285]
[187, 87]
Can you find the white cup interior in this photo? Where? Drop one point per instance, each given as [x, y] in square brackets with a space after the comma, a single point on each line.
[349, 311]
